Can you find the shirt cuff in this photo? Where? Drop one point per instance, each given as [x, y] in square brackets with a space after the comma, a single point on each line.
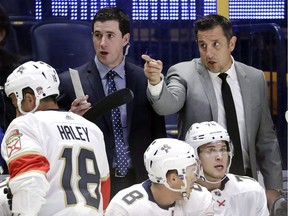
[155, 90]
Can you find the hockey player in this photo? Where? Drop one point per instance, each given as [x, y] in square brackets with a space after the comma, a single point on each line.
[57, 159]
[172, 171]
[233, 195]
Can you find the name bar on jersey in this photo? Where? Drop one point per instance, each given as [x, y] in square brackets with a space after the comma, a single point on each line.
[68, 132]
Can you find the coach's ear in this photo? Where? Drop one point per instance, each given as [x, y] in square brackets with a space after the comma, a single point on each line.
[232, 43]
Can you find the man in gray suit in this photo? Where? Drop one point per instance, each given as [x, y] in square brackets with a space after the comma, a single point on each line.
[193, 89]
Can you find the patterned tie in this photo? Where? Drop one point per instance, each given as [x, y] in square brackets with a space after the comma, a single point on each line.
[237, 166]
[121, 159]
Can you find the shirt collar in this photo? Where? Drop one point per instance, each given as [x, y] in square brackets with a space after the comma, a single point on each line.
[223, 182]
[231, 72]
[104, 69]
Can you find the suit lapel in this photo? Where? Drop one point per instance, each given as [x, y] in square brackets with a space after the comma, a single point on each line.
[208, 89]
[94, 80]
[245, 87]
[95, 83]
[130, 76]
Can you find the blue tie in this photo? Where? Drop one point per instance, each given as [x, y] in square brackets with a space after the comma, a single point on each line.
[121, 158]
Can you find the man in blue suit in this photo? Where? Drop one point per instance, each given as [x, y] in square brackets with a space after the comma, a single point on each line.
[194, 91]
[140, 124]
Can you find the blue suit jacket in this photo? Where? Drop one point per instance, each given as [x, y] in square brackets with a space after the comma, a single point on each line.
[144, 125]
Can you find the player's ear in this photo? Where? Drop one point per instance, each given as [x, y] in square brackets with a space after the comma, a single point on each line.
[30, 101]
[29, 97]
[172, 177]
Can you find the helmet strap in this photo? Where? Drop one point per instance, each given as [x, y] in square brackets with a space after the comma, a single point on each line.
[214, 182]
[182, 190]
[37, 102]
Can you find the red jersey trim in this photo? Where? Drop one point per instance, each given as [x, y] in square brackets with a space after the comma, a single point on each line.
[105, 190]
[28, 162]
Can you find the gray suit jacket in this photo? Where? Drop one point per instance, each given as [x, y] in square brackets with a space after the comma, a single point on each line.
[189, 91]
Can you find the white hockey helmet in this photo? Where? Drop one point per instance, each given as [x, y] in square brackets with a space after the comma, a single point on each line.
[206, 132]
[166, 154]
[39, 76]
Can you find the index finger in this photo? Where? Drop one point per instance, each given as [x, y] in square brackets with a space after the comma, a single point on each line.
[80, 100]
[147, 58]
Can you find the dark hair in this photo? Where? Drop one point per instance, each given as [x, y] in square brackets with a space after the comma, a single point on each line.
[113, 13]
[211, 21]
[4, 24]
[169, 172]
[50, 98]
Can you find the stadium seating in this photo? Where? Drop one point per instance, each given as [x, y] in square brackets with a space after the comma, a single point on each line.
[62, 44]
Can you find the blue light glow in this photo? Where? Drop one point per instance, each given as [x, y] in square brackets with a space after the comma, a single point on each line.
[257, 9]
[166, 9]
[163, 10]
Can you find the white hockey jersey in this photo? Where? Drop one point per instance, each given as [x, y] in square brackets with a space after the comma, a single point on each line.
[137, 200]
[66, 149]
[4, 206]
[240, 195]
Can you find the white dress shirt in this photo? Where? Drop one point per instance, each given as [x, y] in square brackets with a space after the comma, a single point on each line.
[232, 80]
